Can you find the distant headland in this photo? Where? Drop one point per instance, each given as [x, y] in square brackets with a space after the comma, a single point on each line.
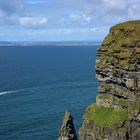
[49, 43]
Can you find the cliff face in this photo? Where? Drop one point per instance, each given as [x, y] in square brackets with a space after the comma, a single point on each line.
[67, 131]
[116, 113]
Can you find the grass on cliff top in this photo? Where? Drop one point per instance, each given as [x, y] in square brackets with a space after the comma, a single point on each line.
[123, 34]
[127, 25]
[106, 117]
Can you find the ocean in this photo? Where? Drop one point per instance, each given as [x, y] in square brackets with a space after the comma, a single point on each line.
[38, 84]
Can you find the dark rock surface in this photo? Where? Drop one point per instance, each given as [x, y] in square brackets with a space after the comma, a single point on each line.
[116, 113]
[67, 131]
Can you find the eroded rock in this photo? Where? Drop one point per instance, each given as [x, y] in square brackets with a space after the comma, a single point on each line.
[116, 113]
[67, 131]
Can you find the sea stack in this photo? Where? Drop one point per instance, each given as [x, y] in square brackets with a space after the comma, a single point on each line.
[67, 131]
[116, 113]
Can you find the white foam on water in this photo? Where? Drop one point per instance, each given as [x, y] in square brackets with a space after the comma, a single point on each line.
[19, 90]
[27, 89]
[8, 92]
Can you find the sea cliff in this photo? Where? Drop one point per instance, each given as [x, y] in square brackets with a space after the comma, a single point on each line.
[116, 113]
[67, 131]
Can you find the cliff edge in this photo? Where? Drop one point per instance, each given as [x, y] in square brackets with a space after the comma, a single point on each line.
[116, 113]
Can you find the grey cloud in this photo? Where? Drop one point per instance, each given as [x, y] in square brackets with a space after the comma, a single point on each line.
[95, 12]
[134, 10]
[10, 10]
[15, 13]
[11, 6]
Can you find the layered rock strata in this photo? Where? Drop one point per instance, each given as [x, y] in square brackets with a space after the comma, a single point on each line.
[116, 113]
[67, 131]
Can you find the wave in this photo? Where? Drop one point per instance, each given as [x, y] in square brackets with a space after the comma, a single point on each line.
[8, 92]
[54, 86]
[18, 90]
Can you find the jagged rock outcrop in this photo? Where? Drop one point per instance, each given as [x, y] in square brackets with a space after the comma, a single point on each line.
[116, 113]
[67, 131]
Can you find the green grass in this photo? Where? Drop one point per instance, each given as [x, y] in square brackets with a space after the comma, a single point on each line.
[127, 25]
[106, 117]
[108, 87]
[113, 100]
[124, 55]
[123, 102]
[135, 106]
[123, 34]
[106, 96]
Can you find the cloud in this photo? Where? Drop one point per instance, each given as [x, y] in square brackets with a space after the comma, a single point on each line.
[67, 31]
[134, 10]
[115, 5]
[87, 18]
[32, 21]
[2, 13]
[15, 13]
[106, 8]
[75, 17]
[11, 6]
[64, 31]
[65, 16]
[10, 10]
[80, 17]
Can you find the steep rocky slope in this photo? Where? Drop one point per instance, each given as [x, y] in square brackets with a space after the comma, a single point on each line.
[67, 131]
[116, 113]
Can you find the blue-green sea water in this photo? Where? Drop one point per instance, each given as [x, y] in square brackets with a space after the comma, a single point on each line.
[37, 85]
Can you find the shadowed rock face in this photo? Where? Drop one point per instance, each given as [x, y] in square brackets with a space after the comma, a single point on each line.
[67, 131]
[116, 113]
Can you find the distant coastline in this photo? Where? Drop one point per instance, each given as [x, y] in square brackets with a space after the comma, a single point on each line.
[55, 43]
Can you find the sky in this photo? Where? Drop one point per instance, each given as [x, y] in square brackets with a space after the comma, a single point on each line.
[63, 20]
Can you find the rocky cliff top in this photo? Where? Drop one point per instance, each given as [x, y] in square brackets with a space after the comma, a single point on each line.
[116, 113]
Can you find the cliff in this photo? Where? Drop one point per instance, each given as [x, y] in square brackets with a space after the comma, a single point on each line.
[116, 113]
[67, 131]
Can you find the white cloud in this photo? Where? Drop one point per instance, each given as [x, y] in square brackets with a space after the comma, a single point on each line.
[134, 10]
[65, 17]
[64, 31]
[78, 30]
[12, 6]
[32, 21]
[2, 13]
[75, 17]
[116, 4]
[80, 17]
[87, 18]
[70, 31]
